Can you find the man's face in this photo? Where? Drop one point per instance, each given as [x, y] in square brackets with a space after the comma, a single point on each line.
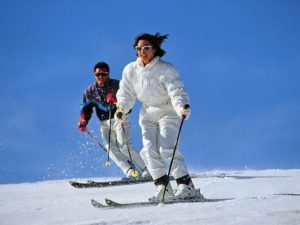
[101, 75]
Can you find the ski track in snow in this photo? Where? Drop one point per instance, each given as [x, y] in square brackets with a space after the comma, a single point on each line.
[268, 197]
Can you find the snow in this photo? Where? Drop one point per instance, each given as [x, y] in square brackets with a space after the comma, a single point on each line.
[268, 197]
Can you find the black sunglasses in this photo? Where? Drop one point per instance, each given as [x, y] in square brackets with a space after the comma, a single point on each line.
[101, 74]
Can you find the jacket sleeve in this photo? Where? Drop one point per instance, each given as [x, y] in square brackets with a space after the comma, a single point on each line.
[126, 95]
[175, 88]
[87, 106]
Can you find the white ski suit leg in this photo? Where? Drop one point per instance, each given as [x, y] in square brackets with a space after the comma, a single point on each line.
[124, 140]
[160, 126]
[115, 154]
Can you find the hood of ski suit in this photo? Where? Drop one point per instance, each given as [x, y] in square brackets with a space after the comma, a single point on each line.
[155, 84]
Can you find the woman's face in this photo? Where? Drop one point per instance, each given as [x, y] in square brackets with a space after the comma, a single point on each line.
[145, 51]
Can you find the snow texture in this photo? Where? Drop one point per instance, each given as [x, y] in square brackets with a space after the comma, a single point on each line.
[268, 197]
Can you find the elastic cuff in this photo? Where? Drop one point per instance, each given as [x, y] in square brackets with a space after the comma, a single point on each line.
[164, 180]
[184, 180]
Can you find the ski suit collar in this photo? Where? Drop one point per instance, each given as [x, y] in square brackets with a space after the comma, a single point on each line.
[153, 62]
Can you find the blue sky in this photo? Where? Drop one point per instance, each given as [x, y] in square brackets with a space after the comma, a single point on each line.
[239, 60]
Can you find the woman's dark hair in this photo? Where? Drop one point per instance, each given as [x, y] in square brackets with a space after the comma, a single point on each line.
[102, 65]
[155, 40]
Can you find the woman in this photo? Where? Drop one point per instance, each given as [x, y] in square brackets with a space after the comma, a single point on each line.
[158, 86]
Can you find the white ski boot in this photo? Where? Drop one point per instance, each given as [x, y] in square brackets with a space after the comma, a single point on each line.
[160, 191]
[146, 174]
[183, 191]
[131, 174]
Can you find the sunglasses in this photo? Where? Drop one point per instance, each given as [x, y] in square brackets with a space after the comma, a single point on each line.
[101, 75]
[144, 48]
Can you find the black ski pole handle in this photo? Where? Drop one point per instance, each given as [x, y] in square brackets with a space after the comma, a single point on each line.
[186, 106]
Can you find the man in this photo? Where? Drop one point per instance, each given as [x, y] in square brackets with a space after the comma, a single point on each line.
[115, 133]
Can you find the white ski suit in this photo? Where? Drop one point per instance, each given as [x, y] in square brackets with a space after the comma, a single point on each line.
[159, 87]
[118, 144]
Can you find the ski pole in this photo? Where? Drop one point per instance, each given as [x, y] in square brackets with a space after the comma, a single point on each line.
[107, 163]
[175, 147]
[95, 140]
[135, 173]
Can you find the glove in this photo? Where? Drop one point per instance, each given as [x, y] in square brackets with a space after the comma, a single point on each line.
[111, 98]
[119, 113]
[82, 123]
[184, 111]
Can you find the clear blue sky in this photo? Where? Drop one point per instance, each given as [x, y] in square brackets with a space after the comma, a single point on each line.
[240, 62]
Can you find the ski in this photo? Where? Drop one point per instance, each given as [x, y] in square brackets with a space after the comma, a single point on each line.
[99, 184]
[124, 181]
[110, 204]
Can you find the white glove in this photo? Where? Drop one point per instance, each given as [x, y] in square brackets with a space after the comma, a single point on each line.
[183, 112]
[119, 114]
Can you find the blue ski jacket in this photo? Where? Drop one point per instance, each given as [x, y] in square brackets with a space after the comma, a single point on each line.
[95, 97]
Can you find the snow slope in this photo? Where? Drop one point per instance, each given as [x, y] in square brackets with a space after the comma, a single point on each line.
[267, 197]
